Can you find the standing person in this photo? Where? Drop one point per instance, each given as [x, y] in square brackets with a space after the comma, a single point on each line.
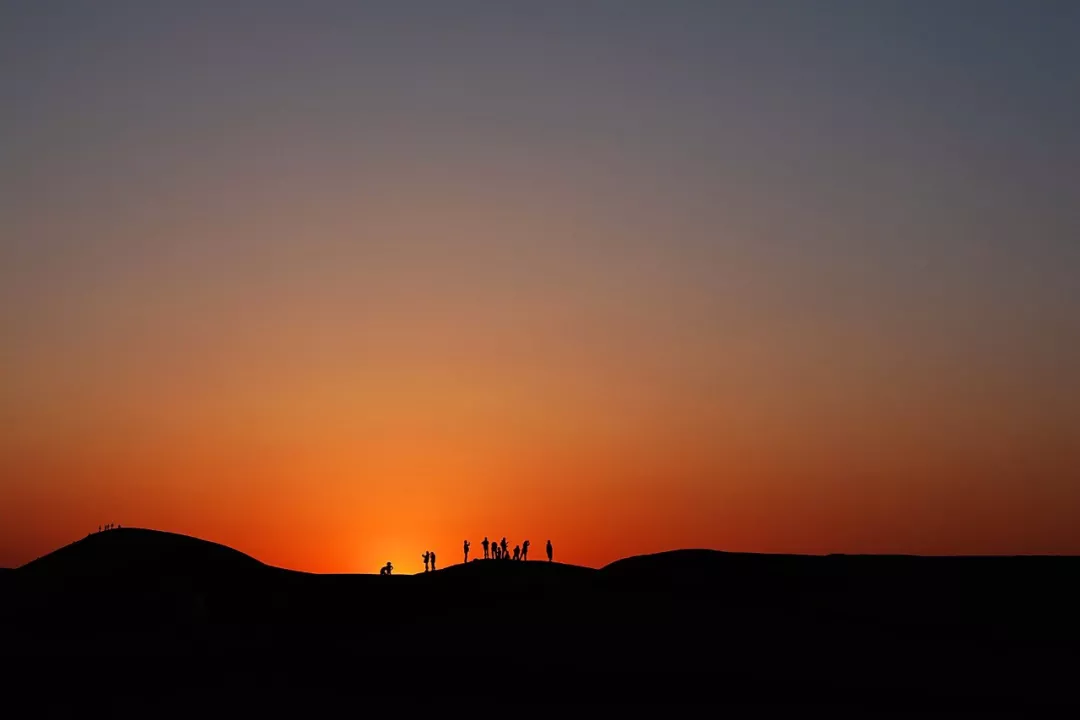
[432, 553]
[550, 551]
[505, 549]
[466, 551]
[525, 550]
[485, 544]
[517, 552]
[426, 557]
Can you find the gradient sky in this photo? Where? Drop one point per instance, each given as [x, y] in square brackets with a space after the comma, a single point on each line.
[337, 282]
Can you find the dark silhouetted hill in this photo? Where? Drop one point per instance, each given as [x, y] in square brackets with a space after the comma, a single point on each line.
[135, 555]
[139, 614]
[673, 565]
[510, 571]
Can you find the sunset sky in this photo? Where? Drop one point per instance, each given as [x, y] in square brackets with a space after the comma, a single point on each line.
[335, 283]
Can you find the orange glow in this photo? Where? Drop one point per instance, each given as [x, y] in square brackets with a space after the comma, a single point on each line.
[343, 469]
[331, 374]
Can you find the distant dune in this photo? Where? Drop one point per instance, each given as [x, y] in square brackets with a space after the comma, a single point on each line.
[130, 553]
[670, 559]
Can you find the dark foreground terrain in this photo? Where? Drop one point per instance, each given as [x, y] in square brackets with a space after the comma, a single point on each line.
[136, 620]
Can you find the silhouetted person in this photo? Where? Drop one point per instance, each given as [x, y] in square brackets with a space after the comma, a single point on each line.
[494, 551]
[387, 569]
[466, 546]
[517, 552]
[427, 559]
[485, 545]
[550, 551]
[525, 550]
[432, 561]
[505, 549]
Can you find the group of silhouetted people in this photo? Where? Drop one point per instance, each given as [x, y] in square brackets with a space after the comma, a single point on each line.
[501, 550]
[492, 550]
[103, 528]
